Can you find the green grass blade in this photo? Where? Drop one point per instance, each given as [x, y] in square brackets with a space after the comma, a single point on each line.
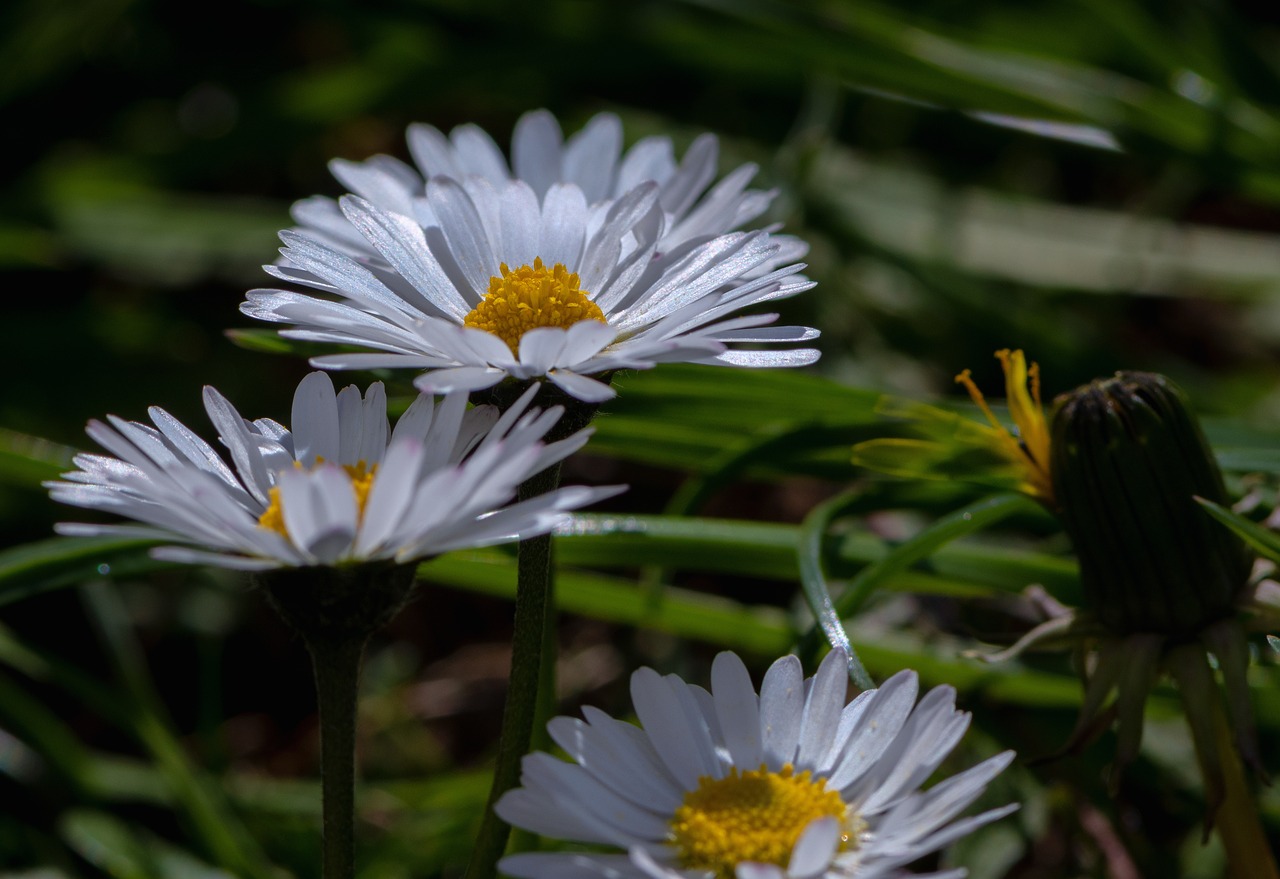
[946, 530]
[217, 826]
[813, 581]
[1263, 540]
[66, 561]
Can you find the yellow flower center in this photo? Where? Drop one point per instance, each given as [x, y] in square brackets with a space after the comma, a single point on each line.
[1030, 448]
[754, 816]
[529, 297]
[361, 482]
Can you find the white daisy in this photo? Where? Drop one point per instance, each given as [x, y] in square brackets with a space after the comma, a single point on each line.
[509, 285]
[790, 784]
[341, 487]
[592, 159]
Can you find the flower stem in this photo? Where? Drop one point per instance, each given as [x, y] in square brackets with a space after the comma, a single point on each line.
[335, 610]
[1248, 854]
[336, 664]
[534, 617]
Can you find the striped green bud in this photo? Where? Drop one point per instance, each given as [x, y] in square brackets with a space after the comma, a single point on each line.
[1128, 460]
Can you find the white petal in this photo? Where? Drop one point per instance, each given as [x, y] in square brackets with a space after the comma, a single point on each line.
[650, 158]
[769, 359]
[541, 347]
[373, 434]
[350, 425]
[431, 150]
[520, 218]
[315, 420]
[814, 850]
[605, 247]
[244, 449]
[401, 243]
[823, 705]
[390, 495]
[590, 155]
[781, 711]
[626, 765]
[374, 183]
[738, 708]
[878, 725]
[462, 379]
[697, 170]
[416, 420]
[221, 560]
[679, 738]
[535, 150]
[319, 511]
[753, 870]
[476, 153]
[585, 389]
[564, 226]
[462, 228]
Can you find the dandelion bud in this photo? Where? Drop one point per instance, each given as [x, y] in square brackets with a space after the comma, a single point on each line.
[1128, 460]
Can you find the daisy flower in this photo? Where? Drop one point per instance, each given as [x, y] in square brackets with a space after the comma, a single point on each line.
[341, 487]
[510, 285]
[591, 159]
[730, 785]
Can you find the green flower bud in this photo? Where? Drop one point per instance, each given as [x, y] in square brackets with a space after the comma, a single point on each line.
[1128, 460]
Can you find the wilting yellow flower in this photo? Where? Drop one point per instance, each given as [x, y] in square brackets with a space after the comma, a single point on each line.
[1029, 448]
[941, 444]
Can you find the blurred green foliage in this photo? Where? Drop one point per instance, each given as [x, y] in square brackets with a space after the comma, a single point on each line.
[1096, 182]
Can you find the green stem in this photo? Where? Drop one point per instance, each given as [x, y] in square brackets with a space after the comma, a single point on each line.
[1248, 854]
[336, 663]
[335, 610]
[534, 617]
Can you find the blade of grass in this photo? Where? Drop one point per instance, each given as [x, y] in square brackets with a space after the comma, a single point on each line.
[218, 828]
[1263, 540]
[760, 631]
[58, 562]
[946, 530]
[813, 581]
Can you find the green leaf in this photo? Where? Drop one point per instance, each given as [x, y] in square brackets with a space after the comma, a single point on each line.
[49, 735]
[218, 827]
[769, 550]
[927, 542]
[107, 843]
[120, 850]
[757, 630]
[27, 460]
[719, 545]
[66, 561]
[817, 592]
[271, 342]
[1263, 540]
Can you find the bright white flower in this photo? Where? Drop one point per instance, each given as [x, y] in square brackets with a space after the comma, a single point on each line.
[334, 490]
[509, 285]
[591, 159]
[790, 784]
